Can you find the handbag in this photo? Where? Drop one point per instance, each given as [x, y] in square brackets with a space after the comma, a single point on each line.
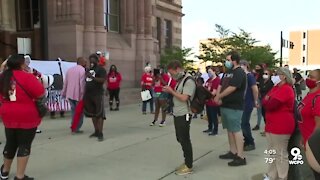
[40, 102]
[145, 95]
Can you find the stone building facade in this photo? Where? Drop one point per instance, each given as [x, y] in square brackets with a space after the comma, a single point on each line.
[133, 32]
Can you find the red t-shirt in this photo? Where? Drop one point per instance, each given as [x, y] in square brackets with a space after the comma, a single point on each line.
[280, 120]
[113, 80]
[173, 82]
[212, 84]
[22, 113]
[147, 80]
[308, 113]
[158, 85]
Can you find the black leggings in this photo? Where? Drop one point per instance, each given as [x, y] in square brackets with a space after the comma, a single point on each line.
[114, 94]
[18, 139]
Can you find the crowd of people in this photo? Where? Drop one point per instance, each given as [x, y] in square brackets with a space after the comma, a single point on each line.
[236, 90]
[20, 88]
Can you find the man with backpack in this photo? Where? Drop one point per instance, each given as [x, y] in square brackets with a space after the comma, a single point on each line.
[183, 92]
[230, 95]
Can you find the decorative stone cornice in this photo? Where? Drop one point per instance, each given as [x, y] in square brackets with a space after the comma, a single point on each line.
[163, 8]
[171, 3]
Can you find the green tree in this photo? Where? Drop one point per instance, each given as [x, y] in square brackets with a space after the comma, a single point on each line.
[176, 53]
[243, 42]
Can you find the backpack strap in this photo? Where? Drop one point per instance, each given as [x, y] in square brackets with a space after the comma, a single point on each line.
[184, 82]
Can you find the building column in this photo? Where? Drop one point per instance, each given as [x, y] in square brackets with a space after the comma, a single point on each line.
[89, 31]
[130, 16]
[140, 41]
[5, 20]
[100, 31]
[140, 16]
[149, 45]
[148, 16]
[76, 9]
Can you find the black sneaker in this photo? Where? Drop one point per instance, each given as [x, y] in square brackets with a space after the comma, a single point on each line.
[3, 175]
[100, 137]
[238, 161]
[95, 134]
[24, 178]
[249, 147]
[116, 109]
[207, 131]
[111, 109]
[213, 133]
[228, 155]
[256, 128]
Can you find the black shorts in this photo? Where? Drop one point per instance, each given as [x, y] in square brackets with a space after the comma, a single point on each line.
[94, 106]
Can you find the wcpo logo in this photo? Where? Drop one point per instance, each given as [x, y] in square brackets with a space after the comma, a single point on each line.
[297, 157]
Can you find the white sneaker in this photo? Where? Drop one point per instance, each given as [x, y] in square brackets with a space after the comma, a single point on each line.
[265, 177]
[38, 131]
[162, 124]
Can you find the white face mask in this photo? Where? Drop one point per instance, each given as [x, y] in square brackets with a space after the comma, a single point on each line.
[275, 79]
[265, 76]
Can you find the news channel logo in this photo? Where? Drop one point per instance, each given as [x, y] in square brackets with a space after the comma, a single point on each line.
[297, 157]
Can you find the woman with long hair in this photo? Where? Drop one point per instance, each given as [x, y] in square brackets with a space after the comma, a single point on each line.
[18, 92]
[211, 107]
[160, 80]
[113, 85]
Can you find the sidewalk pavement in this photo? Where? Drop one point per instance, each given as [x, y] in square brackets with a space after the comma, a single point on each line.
[133, 150]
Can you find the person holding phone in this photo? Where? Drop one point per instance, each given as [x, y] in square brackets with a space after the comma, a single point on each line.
[161, 79]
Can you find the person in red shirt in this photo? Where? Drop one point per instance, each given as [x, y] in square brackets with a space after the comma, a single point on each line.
[280, 123]
[161, 79]
[212, 107]
[309, 122]
[147, 84]
[19, 114]
[309, 107]
[113, 85]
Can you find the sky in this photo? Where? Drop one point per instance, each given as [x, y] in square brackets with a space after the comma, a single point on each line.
[264, 19]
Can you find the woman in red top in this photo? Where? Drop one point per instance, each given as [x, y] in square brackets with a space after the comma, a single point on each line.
[280, 123]
[309, 107]
[19, 114]
[161, 79]
[212, 107]
[113, 85]
[147, 84]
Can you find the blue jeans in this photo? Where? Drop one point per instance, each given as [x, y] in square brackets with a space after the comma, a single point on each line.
[144, 103]
[245, 126]
[74, 104]
[212, 113]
